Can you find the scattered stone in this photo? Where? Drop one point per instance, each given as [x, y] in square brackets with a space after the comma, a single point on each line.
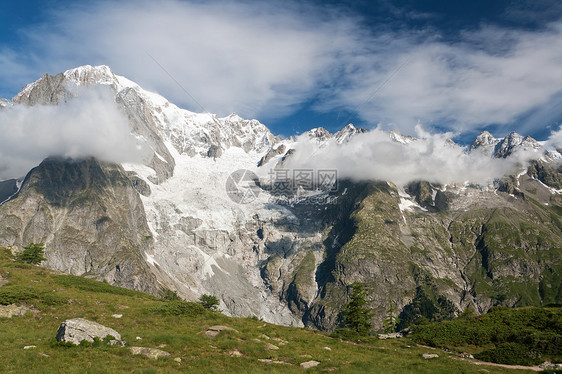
[9, 311]
[547, 365]
[162, 345]
[44, 355]
[280, 341]
[327, 348]
[309, 364]
[271, 347]
[29, 346]
[428, 356]
[466, 355]
[138, 338]
[78, 329]
[306, 356]
[235, 353]
[263, 336]
[392, 335]
[256, 340]
[270, 361]
[177, 359]
[117, 315]
[213, 331]
[120, 343]
[151, 353]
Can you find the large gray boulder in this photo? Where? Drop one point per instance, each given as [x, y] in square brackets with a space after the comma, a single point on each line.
[78, 329]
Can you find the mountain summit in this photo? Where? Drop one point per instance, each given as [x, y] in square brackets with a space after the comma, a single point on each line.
[174, 220]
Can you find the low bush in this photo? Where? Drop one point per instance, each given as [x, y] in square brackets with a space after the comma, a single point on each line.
[521, 336]
[16, 294]
[178, 308]
[511, 354]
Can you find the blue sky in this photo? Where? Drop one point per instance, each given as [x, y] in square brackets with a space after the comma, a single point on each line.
[459, 66]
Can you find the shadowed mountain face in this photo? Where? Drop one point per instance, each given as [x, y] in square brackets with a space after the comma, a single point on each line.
[90, 216]
[433, 250]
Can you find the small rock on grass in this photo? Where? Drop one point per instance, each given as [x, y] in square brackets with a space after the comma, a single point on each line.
[151, 353]
[280, 341]
[270, 361]
[29, 346]
[428, 356]
[271, 347]
[235, 353]
[213, 331]
[309, 364]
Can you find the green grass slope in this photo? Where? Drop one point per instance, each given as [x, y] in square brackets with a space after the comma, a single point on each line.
[175, 327]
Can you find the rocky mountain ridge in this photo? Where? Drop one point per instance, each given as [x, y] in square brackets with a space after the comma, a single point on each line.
[169, 222]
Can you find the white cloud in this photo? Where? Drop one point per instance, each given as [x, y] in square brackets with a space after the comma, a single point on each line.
[554, 142]
[374, 156]
[254, 59]
[493, 77]
[90, 124]
[265, 59]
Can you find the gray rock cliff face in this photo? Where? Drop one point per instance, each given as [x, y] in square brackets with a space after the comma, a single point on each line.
[90, 218]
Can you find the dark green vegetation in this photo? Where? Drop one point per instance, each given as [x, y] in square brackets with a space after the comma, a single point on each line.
[33, 253]
[175, 326]
[523, 336]
[209, 302]
[356, 315]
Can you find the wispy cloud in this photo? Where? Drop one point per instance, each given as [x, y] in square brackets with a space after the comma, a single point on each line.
[265, 59]
[90, 124]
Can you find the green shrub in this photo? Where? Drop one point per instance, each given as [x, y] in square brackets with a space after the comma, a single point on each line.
[32, 253]
[54, 343]
[16, 294]
[519, 336]
[178, 308]
[209, 302]
[52, 299]
[511, 354]
[109, 338]
[170, 295]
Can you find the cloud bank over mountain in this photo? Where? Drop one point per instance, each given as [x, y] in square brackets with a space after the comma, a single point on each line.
[431, 157]
[90, 124]
[267, 59]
